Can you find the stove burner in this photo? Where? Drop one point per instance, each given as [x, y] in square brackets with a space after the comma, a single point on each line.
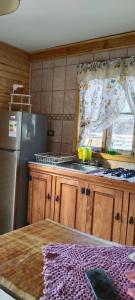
[119, 172]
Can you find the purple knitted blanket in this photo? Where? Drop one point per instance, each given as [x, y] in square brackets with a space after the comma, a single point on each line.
[64, 267]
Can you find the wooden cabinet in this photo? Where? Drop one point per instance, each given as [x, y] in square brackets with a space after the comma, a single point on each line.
[99, 212]
[66, 201]
[102, 207]
[39, 206]
[84, 209]
[130, 236]
[72, 203]
[107, 211]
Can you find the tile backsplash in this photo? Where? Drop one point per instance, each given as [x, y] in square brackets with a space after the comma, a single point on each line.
[117, 164]
[54, 92]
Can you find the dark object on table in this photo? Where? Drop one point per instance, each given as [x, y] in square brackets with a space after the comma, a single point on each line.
[101, 285]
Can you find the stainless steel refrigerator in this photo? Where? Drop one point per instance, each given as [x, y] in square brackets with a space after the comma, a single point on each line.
[21, 135]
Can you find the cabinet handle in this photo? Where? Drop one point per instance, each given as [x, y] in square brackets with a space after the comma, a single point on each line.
[30, 177]
[87, 192]
[49, 196]
[57, 198]
[131, 220]
[83, 190]
[117, 217]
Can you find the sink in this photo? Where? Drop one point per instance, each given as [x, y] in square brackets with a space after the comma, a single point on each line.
[78, 167]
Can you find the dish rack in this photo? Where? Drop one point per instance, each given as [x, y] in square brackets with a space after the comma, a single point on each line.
[53, 158]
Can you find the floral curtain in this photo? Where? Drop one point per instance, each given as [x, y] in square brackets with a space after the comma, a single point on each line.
[104, 86]
[130, 92]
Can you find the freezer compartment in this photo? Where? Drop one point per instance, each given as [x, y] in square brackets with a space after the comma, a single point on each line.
[34, 135]
[8, 175]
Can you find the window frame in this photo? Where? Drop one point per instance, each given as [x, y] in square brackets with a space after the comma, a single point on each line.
[127, 152]
[106, 141]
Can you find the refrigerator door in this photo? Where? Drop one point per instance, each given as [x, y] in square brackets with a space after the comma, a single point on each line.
[10, 130]
[33, 140]
[8, 175]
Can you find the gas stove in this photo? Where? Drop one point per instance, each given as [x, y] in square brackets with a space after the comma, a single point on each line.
[118, 173]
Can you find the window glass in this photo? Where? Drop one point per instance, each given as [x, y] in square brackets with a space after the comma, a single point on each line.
[94, 138]
[122, 133]
[126, 109]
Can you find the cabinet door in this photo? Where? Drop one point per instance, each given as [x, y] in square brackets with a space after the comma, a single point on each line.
[39, 197]
[66, 201]
[107, 208]
[84, 208]
[130, 239]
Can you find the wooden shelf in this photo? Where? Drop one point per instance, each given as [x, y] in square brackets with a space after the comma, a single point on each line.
[20, 103]
[21, 95]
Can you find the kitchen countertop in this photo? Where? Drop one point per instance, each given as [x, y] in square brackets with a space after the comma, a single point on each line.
[95, 179]
[74, 166]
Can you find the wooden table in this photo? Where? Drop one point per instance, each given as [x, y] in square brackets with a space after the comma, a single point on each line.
[21, 260]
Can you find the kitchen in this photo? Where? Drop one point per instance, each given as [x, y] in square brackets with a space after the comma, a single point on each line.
[95, 197]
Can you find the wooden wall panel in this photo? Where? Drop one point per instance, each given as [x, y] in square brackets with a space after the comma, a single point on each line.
[14, 68]
[117, 41]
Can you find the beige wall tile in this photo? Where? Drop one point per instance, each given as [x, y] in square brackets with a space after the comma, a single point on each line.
[101, 56]
[67, 132]
[59, 62]
[48, 63]
[125, 165]
[73, 60]
[106, 163]
[47, 79]
[131, 51]
[37, 64]
[36, 80]
[54, 147]
[70, 101]
[56, 125]
[71, 77]
[117, 164]
[46, 102]
[35, 100]
[118, 53]
[59, 79]
[112, 163]
[87, 57]
[58, 102]
[66, 148]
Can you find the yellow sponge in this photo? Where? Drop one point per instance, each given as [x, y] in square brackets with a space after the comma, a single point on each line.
[84, 153]
[89, 153]
[80, 152]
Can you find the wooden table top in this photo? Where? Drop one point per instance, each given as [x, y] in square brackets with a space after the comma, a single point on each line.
[21, 260]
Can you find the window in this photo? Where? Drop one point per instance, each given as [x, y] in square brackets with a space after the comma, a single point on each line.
[123, 132]
[107, 102]
[95, 139]
[120, 137]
